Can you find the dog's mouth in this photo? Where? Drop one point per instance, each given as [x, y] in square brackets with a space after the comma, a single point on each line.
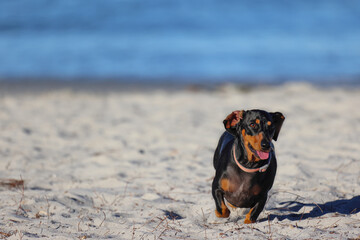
[259, 154]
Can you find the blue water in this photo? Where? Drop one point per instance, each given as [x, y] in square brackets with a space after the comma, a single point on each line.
[167, 39]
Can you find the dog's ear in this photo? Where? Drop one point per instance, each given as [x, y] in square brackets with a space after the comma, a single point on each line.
[278, 119]
[232, 120]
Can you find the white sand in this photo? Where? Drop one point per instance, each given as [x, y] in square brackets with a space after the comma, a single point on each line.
[110, 164]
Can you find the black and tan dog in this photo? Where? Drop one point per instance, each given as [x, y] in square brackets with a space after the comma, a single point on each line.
[245, 162]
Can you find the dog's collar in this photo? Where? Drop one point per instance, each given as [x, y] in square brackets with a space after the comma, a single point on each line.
[252, 170]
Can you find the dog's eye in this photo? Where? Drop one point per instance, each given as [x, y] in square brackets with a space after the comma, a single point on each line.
[253, 125]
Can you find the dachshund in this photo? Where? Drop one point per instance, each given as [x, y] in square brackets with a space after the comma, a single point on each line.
[245, 162]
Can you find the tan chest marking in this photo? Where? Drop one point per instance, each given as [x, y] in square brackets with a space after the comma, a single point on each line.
[226, 185]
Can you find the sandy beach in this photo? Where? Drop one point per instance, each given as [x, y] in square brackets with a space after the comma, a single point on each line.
[137, 164]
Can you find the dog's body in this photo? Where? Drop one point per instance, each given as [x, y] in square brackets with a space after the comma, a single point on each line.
[245, 162]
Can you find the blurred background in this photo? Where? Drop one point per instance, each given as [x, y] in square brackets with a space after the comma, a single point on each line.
[200, 41]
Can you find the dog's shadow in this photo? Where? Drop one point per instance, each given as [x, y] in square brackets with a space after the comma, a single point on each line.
[291, 209]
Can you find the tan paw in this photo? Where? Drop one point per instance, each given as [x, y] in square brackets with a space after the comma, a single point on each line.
[247, 218]
[248, 221]
[225, 213]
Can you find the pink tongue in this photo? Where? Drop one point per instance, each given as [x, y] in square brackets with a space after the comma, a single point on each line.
[263, 155]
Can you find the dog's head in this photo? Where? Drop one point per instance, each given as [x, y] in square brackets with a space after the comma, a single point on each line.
[256, 129]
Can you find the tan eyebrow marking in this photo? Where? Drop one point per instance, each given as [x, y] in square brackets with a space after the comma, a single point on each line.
[257, 121]
[268, 123]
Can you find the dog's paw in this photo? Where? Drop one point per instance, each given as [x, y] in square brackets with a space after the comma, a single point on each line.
[248, 216]
[248, 221]
[224, 214]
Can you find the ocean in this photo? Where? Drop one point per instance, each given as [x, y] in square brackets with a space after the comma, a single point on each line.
[168, 40]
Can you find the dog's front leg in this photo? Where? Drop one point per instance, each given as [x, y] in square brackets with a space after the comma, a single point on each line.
[221, 210]
[256, 210]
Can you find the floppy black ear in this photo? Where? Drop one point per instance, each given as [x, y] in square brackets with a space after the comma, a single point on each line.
[232, 120]
[278, 119]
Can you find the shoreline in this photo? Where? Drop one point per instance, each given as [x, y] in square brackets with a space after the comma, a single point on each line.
[98, 86]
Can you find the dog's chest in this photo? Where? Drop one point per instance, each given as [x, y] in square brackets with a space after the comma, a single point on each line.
[240, 189]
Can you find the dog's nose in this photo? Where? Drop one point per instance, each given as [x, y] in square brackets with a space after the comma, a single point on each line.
[265, 144]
